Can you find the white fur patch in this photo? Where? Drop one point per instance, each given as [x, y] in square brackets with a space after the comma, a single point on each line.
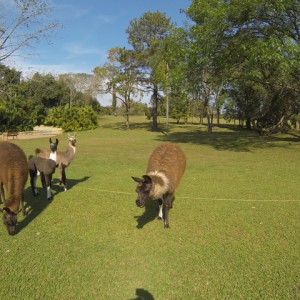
[49, 195]
[157, 189]
[160, 214]
[52, 156]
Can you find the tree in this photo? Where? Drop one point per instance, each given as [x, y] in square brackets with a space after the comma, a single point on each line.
[22, 24]
[254, 45]
[45, 89]
[119, 78]
[146, 36]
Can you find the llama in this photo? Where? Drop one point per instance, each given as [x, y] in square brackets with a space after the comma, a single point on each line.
[166, 166]
[13, 177]
[45, 168]
[63, 159]
[46, 153]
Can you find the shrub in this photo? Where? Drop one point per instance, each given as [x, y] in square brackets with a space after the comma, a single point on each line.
[72, 119]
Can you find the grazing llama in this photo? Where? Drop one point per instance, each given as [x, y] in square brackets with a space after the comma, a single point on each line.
[165, 168]
[13, 177]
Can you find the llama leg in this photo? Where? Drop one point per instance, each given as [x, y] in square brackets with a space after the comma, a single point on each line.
[160, 213]
[2, 197]
[48, 188]
[24, 212]
[63, 177]
[33, 178]
[167, 204]
[43, 181]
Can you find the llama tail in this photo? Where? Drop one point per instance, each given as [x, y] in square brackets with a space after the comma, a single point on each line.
[37, 151]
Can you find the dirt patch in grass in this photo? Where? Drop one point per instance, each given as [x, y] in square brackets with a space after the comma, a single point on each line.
[38, 132]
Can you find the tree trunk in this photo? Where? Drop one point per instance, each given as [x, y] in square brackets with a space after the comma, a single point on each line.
[114, 98]
[209, 123]
[154, 108]
[248, 123]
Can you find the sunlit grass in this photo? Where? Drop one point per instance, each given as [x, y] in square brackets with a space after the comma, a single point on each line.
[234, 226]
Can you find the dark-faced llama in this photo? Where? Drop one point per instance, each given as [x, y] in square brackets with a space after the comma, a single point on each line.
[48, 153]
[44, 167]
[166, 166]
[13, 177]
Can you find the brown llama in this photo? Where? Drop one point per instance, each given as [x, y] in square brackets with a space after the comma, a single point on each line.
[13, 177]
[166, 166]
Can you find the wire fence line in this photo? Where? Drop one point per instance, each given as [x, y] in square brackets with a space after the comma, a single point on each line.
[197, 198]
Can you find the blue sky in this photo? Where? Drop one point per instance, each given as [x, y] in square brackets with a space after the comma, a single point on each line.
[89, 29]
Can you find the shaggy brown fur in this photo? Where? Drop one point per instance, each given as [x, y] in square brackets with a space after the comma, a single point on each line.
[165, 168]
[13, 176]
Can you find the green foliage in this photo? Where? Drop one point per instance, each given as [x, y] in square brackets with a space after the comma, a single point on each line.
[179, 107]
[72, 119]
[253, 46]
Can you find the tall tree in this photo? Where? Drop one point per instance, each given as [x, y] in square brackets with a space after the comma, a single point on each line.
[146, 35]
[118, 77]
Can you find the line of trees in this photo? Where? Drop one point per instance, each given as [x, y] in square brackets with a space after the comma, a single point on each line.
[239, 59]
[44, 99]
[236, 58]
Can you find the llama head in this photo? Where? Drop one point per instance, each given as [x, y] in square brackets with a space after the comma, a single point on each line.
[53, 146]
[143, 189]
[72, 139]
[9, 220]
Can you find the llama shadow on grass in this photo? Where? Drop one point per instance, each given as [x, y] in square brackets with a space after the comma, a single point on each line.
[142, 294]
[70, 183]
[150, 213]
[35, 205]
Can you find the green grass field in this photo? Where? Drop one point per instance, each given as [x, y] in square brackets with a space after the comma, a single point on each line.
[234, 229]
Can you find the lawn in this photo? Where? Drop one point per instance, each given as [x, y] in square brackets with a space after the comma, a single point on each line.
[234, 229]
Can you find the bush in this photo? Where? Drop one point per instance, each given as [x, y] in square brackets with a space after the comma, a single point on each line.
[72, 119]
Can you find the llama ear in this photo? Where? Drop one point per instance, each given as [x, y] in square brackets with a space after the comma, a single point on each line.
[136, 179]
[5, 209]
[147, 179]
[50, 141]
[56, 141]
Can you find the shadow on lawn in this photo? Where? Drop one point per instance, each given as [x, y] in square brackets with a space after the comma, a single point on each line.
[142, 294]
[234, 139]
[150, 214]
[134, 126]
[35, 205]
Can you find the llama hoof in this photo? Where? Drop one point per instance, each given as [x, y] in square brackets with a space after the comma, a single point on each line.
[166, 225]
[49, 199]
[159, 218]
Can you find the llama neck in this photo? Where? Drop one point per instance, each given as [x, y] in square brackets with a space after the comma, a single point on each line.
[52, 155]
[160, 184]
[71, 151]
